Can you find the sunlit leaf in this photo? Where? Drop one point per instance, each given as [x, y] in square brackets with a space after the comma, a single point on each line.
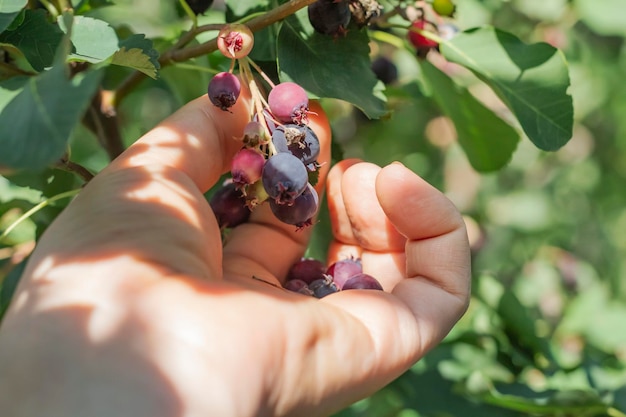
[137, 52]
[487, 140]
[36, 123]
[532, 80]
[93, 39]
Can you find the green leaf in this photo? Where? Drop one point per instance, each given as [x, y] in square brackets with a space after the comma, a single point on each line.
[520, 327]
[37, 38]
[605, 17]
[93, 39]
[138, 53]
[532, 80]
[12, 6]
[327, 67]
[11, 88]
[83, 6]
[551, 402]
[8, 10]
[239, 8]
[36, 124]
[488, 141]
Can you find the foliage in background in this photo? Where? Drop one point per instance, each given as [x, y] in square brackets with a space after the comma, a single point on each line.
[490, 121]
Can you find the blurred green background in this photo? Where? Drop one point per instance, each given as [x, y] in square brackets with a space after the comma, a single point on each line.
[546, 330]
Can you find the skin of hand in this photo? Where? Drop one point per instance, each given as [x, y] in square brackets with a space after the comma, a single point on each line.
[130, 306]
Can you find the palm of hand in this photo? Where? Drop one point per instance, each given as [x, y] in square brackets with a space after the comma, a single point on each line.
[131, 290]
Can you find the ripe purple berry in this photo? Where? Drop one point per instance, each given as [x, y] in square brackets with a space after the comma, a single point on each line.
[229, 206]
[343, 270]
[307, 270]
[247, 166]
[323, 287]
[362, 282]
[289, 103]
[301, 212]
[301, 141]
[330, 17]
[199, 6]
[297, 285]
[385, 70]
[224, 89]
[284, 178]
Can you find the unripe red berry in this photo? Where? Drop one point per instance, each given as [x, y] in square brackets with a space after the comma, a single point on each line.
[289, 103]
[418, 40]
[344, 269]
[247, 166]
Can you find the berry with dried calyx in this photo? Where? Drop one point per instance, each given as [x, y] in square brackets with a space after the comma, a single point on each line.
[330, 17]
[323, 287]
[235, 41]
[247, 166]
[229, 206]
[300, 213]
[284, 177]
[223, 90]
[254, 134]
[344, 269]
[289, 103]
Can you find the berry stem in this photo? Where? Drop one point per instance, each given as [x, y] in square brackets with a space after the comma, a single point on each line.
[260, 71]
[257, 99]
[179, 54]
[35, 209]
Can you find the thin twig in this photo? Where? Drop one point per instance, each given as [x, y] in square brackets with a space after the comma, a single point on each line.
[178, 54]
[65, 164]
[102, 120]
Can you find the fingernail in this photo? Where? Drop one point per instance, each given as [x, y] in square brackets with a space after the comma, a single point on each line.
[398, 163]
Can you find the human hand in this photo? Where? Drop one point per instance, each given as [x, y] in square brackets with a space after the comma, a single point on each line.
[129, 306]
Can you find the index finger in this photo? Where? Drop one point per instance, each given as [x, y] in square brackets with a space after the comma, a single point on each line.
[199, 140]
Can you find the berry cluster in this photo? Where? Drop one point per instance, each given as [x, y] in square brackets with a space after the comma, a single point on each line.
[278, 159]
[311, 277]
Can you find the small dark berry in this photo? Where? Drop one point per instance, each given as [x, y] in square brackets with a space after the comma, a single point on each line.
[323, 287]
[224, 89]
[362, 282]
